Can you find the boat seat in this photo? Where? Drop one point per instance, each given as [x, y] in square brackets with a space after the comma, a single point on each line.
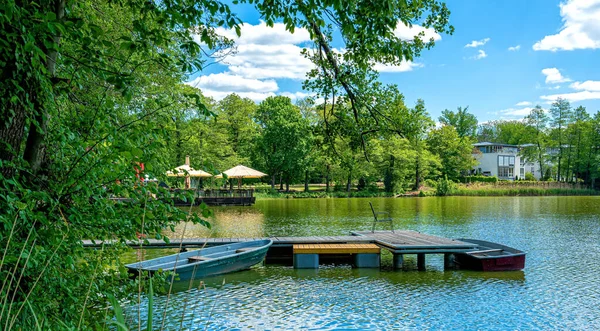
[245, 249]
[193, 259]
[486, 251]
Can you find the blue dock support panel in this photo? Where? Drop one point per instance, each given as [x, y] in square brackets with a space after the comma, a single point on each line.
[306, 261]
[367, 260]
[398, 261]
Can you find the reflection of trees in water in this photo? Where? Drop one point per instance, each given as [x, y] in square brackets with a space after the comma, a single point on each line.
[328, 217]
[228, 222]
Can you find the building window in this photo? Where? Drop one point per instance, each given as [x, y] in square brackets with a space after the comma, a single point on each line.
[506, 161]
[522, 172]
[532, 170]
[505, 172]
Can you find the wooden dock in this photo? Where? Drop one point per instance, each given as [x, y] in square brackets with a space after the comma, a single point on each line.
[399, 243]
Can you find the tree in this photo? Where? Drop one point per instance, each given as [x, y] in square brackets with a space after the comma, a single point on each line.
[236, 116]
[537, 120]
[464, 122]
[285, 140]
[455, 154]
[87, 93]
[579, 131]
[560, 113]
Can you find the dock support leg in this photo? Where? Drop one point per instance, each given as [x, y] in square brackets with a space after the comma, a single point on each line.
[421, 262]
[306, 261]
[366, 260]
[398, 261]
[449, 261]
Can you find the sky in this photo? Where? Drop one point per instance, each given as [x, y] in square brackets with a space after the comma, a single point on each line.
[504, 58]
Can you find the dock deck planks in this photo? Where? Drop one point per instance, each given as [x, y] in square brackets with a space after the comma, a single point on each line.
[398, 242]
[412, 242]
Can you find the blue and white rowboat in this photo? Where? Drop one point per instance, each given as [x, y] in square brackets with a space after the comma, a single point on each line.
[207, 261]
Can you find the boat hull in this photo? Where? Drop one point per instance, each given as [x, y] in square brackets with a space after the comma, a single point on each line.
[497, 258]
[218, 260]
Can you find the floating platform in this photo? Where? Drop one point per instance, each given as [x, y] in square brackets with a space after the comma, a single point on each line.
[399, 243]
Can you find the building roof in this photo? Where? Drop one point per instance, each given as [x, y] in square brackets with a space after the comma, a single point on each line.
[486, 143]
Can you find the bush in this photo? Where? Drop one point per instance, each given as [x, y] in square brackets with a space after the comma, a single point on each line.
[445, 187]
[478, 179]
[529, 176]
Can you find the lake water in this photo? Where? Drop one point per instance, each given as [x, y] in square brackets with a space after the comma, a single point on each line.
[559, 289]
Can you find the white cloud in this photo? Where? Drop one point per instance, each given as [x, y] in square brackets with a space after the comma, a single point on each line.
[480, 55]
[553, 75]
[523, 103]
[269, 61]
[261, 34]
[296, 95]
[220, 85]
[588, 85]
[573, 97]
[406, 32]
[580, 30]
[403, 67]
[262, 54]
[514, 48]
[229, 82]
[515, 113]
[477, 43]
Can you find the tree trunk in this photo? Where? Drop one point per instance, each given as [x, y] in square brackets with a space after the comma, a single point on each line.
[327, 178]
[287, 185]
[306, 181]
[349, 183]
[34, 147]
[273, 181]
[281, 181]
[541, 161]
[11, 135]
[577, 161]
[568, 169]
[418, 172]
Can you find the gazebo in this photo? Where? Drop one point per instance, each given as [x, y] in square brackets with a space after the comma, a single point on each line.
[188, 172]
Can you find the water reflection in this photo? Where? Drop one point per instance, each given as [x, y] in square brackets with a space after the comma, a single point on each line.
[557, 290]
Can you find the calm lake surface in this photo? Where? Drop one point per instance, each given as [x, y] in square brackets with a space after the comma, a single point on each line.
[559, 289]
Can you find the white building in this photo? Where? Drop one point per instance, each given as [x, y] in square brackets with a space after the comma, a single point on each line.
[503, 161]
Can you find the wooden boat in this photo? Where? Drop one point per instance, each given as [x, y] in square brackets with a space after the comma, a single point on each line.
[489, 256]
[207, 261]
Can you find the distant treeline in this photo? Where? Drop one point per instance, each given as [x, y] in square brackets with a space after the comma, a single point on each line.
[320, 143]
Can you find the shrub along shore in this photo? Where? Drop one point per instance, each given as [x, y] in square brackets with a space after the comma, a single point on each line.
[518, 188]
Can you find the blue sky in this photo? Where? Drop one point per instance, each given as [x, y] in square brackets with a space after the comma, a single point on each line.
[555, 52]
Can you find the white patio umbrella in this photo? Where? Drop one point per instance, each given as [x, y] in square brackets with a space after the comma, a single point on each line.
[241, 172]
[187, 172]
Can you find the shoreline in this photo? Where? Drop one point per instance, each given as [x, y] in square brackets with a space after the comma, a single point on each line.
[416, 194]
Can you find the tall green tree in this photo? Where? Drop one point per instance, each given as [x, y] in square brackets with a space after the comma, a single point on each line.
[561, 115]
[455, 153]
[464, 122]
[285, 140]
[537, 121]
[237, 115]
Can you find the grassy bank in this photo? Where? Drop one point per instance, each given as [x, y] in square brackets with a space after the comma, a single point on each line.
[319, 194]
[529, 191]
[459, 190]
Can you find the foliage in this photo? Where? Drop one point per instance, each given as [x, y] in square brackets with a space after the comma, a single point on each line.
[478, 179]
[464, 122]
[455, 154]
[529, 176]
[445, 187]
[285, 139]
